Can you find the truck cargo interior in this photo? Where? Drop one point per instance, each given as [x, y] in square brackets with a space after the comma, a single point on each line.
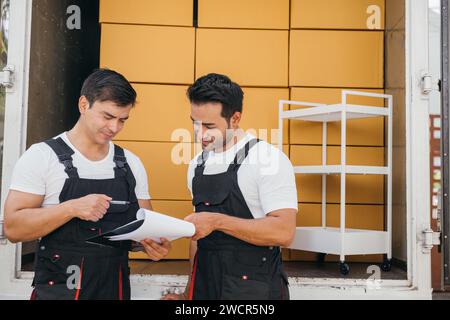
[61, 58]
[292, 50]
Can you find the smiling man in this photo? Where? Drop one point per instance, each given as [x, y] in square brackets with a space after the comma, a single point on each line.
[61, 193]
[245, 200]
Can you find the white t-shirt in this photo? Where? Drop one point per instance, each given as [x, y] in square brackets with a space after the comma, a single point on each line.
[266, 177]
[39, 171]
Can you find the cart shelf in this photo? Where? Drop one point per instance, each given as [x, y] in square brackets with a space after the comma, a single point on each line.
[333, 113]
[334, 241]
[338, 169]
[343, 241]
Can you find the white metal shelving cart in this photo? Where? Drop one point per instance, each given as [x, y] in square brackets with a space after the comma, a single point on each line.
[343, 241]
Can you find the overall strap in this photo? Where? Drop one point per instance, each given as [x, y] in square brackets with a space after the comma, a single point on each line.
[64, 154]
[120, 161]
[242, 154]
[201, 161]
[123, 169]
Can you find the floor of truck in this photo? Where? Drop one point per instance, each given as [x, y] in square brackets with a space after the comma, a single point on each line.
[293, 269]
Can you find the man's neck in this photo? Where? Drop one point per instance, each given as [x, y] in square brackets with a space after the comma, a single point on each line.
[238, 135]
[84, 144]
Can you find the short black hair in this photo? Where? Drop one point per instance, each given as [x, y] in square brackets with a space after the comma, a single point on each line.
[108, 85]
[217, 88]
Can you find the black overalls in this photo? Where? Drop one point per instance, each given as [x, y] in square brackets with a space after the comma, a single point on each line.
[225, 267]
[63, 256]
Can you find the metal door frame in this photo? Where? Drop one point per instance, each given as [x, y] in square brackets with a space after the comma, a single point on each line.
[14, 284]
[445, 139]
[15, 136]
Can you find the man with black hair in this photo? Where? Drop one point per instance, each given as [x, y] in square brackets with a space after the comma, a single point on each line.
[245, 200]
[65, 190]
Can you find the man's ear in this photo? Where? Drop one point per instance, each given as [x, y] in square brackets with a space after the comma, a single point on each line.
[83, 104]
[235, 119]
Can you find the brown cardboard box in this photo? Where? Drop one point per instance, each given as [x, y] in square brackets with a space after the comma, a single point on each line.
[166, 166]
[150, 12]
[149, 54]
[161, 112]
[260, 113]
[325, 58]
[270, 14]
[248, 57]
[335, 14]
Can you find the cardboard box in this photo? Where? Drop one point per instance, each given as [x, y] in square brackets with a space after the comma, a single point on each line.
[166, 165]
[150, 12]
[360, 132]
[361, 189]
[248, 57]
[149, 54]
[337, 14]
[260, 113]
[320, 58]
[162, 114]
[269, 14]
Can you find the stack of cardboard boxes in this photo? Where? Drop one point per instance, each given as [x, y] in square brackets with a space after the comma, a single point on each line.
[307, 50]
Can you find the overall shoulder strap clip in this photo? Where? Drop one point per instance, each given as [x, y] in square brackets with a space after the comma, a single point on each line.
[122, 166]
[64, 154]
[119, 158]
[201, 161]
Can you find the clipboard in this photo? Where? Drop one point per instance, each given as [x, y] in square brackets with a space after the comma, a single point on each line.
[148, 225]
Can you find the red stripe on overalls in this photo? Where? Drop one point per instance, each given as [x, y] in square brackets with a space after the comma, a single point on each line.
[194, 272]
[77, 295]
[120, 283]
[33, 295]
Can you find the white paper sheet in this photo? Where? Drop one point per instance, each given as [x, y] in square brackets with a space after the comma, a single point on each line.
[156, 226]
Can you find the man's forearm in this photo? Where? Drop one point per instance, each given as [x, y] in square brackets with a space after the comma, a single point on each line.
[31, 224]
[268, 231]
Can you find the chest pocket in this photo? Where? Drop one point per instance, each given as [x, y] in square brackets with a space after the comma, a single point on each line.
[209, 201]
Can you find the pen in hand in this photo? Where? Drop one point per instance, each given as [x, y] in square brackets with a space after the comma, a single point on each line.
[119, 202]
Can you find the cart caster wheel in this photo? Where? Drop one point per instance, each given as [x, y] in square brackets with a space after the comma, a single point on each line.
[321, 258]
[344, 268]
[386, 265]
